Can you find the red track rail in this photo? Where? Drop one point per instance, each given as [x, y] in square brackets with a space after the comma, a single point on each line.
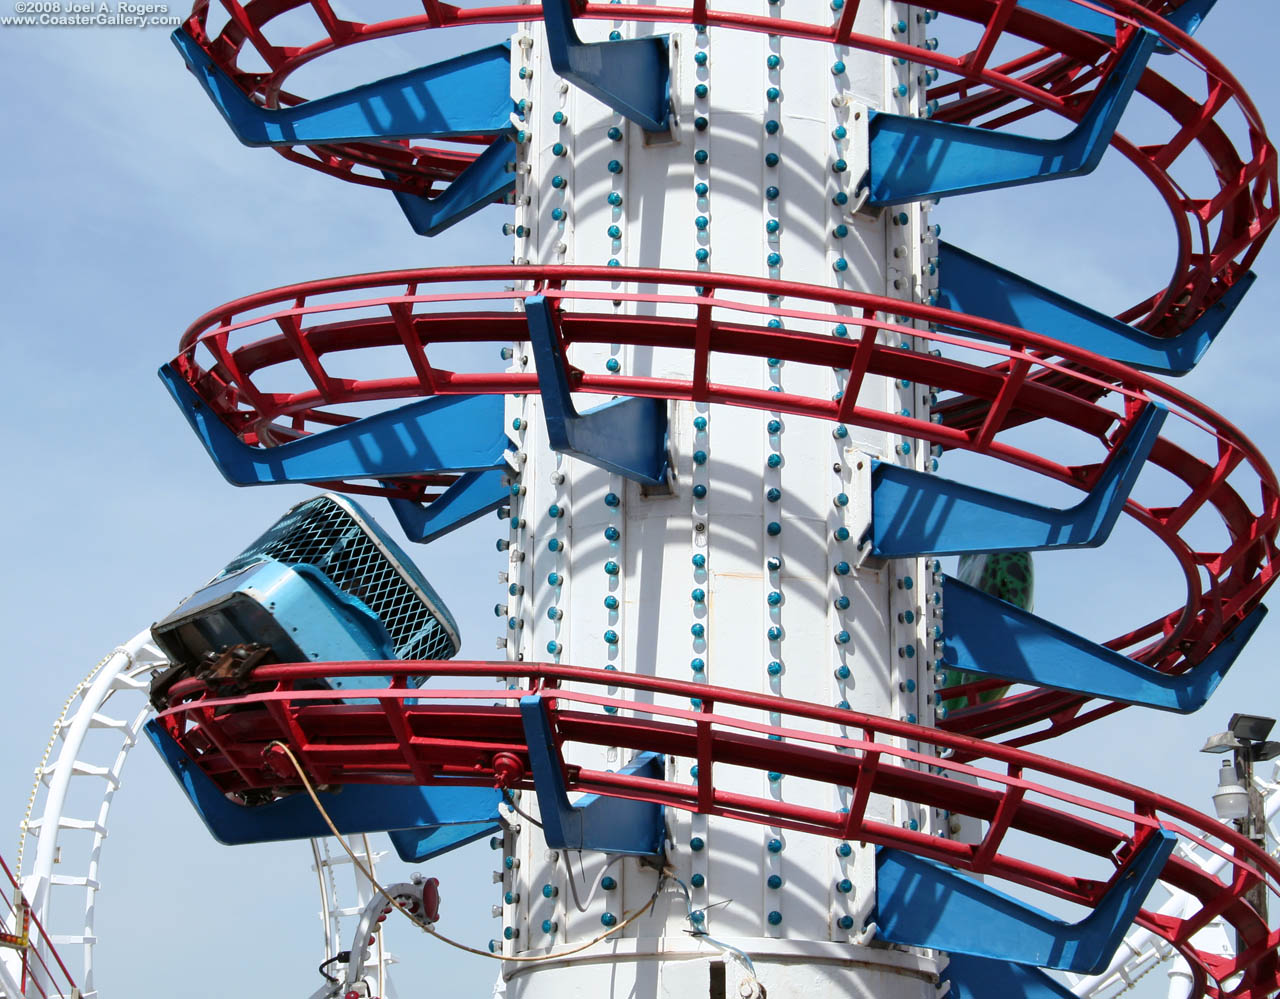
[1242, 207]
[706, 314]
[427, 737]
[37, 974]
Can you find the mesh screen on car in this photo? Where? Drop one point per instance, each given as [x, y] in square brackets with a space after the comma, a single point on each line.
[323, 534]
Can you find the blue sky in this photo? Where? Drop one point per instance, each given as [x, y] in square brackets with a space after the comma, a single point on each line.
[129, 210]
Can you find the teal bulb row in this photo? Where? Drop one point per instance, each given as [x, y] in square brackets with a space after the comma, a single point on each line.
[701, 91]
[844, 850]
[771, 159]
[699, 457]
[611, 533]
[697, 844]
[699, 423]
[774, 598]
[773, 494]
[699, 491]
[700, 123]
[774, 845]
[613, 365]
[700, 189]
[842, 602]
[609, 919]
[698, 595]
[775, 633]
[773, 94]
[698, 664]
[837, 67]
[555, 510]
[549, 926]
[510, 933]
[615, 166]
[845, 922]
[841, 198]
[554, 614]
[844, 886]
[612, 499]
[841, 534]
[700, 156]
[560, 118]
[700, 58]
[698, 630]
[558, 214]
[774, 528]
[772, 226]
[559, 149]
[611, 637]
[774, 668]
[774, 776]
[559, 183]
[615, 133]
[842, 672]
[774, 881]
[701, 222]
[775, 918]
[773, 563]
[554, 647]
[697, 880]
[615, 232]
[771, 126]
[774, 259]
[611, 602]
[555, 545]
[774, 461]
[615, 36]
[612, 568]
[554, 578]
[614, 198]
[840, 232]
[771, 193]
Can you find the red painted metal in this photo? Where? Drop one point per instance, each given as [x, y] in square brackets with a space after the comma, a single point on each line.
[426, 736]
[1219, 230]
[706, 315]
[37, 974]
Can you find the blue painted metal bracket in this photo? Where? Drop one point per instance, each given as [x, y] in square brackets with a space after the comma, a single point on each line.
[472, 495]
[985, 634]
[609, 825]
[969, 284]
[416, 845]
[1072, 14]
[490, 178]
[459, 433]
[626, 436]
[915, 158]
[632, 76]
[467, 95]
[1188, 17]
[980, 978]
[925, 904]
[460, 813]
[914, 513]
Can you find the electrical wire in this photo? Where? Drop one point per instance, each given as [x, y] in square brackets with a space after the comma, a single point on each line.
[621, 924]
[573, 885]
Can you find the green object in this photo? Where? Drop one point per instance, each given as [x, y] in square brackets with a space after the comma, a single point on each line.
[1009, 576]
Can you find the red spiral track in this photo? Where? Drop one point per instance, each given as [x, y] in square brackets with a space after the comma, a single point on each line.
[430, 737]
[239, 356]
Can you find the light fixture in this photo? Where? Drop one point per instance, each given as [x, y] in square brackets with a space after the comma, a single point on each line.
[1231, 801]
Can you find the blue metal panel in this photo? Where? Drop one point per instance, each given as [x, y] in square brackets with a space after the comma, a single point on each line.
[632, 76]
[915, 513]
[915, 158]
[987, 635]
[1070, 13]
[467, 95]
[355, 808]
[472, 495]
[971, 285]
[627, 436]
[459, 433]
[1190, 14]
[490, 178]
[925, 904]
[980, 978]
[609, 825]
[416, 845]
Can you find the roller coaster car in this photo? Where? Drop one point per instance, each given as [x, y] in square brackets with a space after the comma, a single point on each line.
[324, 583]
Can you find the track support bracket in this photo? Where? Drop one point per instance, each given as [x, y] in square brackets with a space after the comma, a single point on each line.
[626, 436]
[608, 825]
[914, 513]
[987, 635]
[632, 76]
[469, 94]
[917, 158]
[922, 903]
[461, 433]
[976, 287]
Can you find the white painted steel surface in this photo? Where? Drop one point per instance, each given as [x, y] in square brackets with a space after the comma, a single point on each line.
[658, 536]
